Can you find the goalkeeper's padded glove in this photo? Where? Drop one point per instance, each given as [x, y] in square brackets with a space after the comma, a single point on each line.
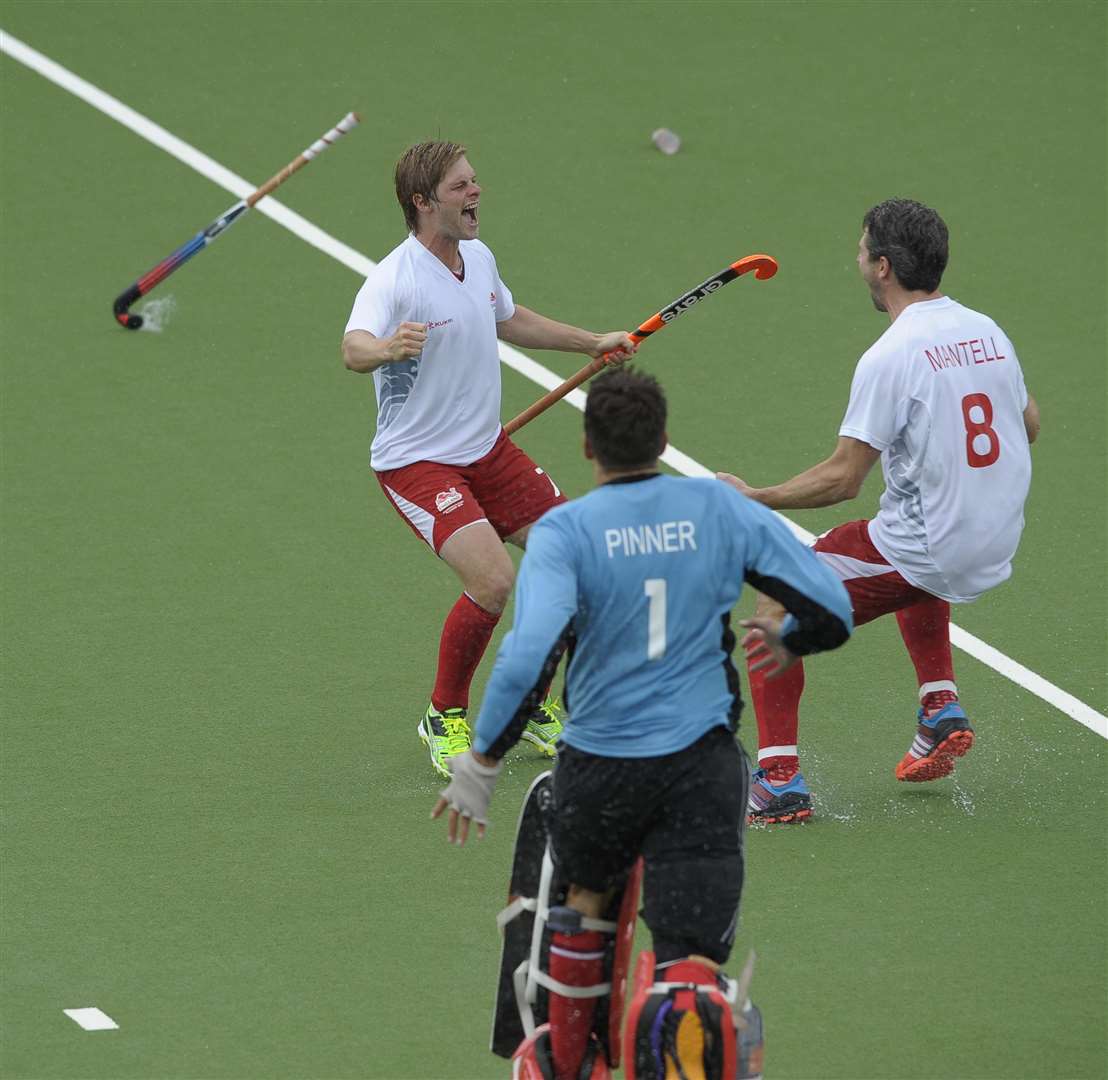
[471, 786]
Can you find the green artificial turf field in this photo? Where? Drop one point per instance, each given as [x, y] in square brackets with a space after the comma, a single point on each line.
[217, 638]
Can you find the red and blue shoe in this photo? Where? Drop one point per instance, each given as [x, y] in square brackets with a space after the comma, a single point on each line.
[940, 738]
[778, 802]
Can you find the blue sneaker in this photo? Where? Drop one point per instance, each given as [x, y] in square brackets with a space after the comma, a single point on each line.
[778, 802]
[940, 738]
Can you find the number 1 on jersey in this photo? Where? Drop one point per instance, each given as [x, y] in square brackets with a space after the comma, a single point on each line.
[655, 589]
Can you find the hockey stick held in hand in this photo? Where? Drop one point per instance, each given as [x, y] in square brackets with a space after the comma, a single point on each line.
[202, 239]
[763, 266]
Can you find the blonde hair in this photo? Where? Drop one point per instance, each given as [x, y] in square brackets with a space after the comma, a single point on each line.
[420, 171]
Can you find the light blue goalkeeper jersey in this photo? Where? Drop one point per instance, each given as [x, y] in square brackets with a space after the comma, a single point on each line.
[647, 570]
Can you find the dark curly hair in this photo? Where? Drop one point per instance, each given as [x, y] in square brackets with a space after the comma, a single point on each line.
[913, 238]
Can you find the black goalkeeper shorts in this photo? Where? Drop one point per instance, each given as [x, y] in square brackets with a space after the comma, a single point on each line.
[683, 812]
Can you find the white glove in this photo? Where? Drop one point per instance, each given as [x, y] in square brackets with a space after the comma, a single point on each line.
[468, 794]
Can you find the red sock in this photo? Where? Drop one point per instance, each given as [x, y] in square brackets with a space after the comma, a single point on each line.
[925, 628]
[465, 636]
[776, 706]
[576, 960]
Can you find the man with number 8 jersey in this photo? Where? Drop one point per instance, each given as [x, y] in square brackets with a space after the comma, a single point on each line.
[940, 399]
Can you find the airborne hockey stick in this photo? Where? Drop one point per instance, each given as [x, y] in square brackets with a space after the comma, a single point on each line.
[202, 239]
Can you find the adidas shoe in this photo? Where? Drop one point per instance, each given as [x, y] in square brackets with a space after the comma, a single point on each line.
[778, 802]
[544, 728]
[445, 734]
[940, 738]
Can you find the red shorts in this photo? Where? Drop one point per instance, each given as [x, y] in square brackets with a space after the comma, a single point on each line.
[505, 488]
[875, 588]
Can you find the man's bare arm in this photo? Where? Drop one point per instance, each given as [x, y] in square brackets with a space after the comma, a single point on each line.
[837, 479]
[530, 330]
[1031, 419]
[363, 353]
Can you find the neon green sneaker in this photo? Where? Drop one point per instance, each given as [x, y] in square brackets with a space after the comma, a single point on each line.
[544, 729]
[445, 734]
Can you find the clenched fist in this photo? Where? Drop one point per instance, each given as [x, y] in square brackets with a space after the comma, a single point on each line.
[408, 341]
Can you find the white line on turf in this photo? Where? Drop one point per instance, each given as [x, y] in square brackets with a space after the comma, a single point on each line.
[524, 365]
[92, 1019]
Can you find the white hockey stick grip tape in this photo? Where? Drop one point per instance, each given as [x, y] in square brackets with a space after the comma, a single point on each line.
[348, 122]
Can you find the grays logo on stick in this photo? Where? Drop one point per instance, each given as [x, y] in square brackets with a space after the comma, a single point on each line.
[763, 266]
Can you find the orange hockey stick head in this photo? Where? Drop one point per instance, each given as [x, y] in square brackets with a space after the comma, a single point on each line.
[764, 266]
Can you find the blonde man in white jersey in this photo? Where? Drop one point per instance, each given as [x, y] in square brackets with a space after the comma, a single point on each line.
[426, 325]
[940, 399]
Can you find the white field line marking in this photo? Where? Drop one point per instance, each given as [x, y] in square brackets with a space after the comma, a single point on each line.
[517, 361]
[92, 1019]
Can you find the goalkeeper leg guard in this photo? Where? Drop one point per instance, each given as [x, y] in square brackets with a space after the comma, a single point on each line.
[533, 1061]
[577, 961]
[686, 1020]
[534, 921]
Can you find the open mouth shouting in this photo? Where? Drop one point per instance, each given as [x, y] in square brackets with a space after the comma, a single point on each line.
[469, 214]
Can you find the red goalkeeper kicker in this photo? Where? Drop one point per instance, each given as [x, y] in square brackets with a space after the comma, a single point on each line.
[221, 224]
[764, 267]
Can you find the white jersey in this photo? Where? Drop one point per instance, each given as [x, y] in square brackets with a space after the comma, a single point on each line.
[443, 405]
[941, 395]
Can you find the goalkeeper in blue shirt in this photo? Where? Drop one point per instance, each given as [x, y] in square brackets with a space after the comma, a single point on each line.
[641, 575]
